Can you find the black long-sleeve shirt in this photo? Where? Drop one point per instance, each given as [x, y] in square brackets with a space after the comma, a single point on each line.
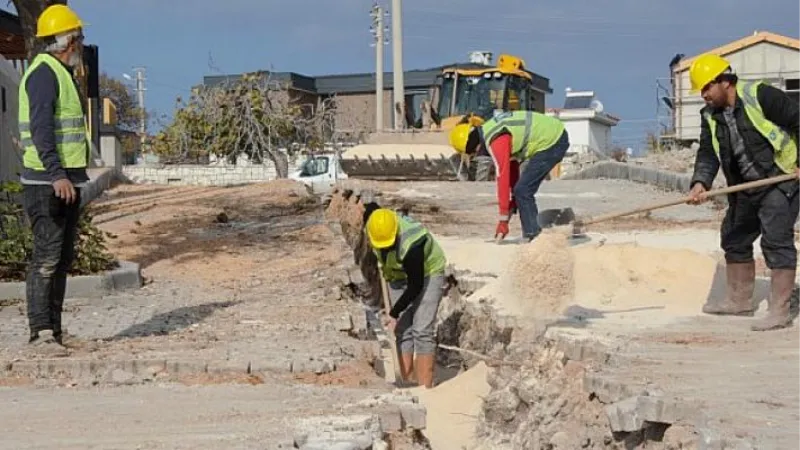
[778, 107]
[43, 91]
[414, 267]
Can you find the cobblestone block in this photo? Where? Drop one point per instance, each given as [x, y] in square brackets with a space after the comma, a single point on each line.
[624, 415]
[414, 415]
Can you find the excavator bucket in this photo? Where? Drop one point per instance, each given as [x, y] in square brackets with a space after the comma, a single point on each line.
[398, 168]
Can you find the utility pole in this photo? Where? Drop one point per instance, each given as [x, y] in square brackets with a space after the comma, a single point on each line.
[142, 119]
[397, 63]
[378, 31]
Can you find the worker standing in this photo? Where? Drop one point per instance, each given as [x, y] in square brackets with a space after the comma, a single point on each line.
[413, 264]
[55, 154]
[513, 138]
[750, 129]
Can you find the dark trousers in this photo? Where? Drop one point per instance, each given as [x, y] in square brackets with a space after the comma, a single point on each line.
[531, 178]
[772, 215]
[54, 224]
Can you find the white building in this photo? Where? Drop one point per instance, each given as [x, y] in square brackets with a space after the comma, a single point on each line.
[761, 56]
[10, 157]
[589, 127]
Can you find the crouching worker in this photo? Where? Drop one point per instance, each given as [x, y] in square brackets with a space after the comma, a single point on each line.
[412, 263]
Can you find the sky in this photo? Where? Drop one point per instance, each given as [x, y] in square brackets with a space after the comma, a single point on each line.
[617, 48]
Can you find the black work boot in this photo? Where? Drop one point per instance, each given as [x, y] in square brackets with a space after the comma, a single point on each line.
[741, 282]
[779, 314]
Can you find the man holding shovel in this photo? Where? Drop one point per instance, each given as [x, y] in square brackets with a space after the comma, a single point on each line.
[750, 130]
[413, 264]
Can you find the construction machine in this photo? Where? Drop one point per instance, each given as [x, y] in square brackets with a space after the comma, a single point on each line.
[467, 91]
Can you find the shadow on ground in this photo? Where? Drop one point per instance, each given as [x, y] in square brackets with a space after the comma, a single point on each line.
[177, 319]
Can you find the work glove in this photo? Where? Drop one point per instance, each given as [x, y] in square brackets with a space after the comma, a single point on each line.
[502, 229]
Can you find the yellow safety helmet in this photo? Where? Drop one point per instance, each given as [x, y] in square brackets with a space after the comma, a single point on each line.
[57, 19]
[705, 69]
[382, 228]
[459, 136]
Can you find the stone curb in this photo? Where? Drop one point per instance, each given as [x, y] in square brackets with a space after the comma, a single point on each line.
[127, 276]
[670, 181]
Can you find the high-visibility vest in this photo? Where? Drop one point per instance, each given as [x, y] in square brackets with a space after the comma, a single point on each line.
[531, 132]
[783, 143]
[410, 232]
[71, 133]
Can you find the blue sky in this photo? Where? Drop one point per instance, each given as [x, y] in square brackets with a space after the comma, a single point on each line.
[618, 48]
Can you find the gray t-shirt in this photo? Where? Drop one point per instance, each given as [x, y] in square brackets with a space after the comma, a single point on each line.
[746, 164]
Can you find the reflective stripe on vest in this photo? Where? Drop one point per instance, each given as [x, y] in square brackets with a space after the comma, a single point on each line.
[71, 135]
[531, 132]
[409, 233]
[784, 145]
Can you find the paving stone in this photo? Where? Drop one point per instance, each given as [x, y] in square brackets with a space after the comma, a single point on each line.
[414, 415]
[624, 415]
[662, 410]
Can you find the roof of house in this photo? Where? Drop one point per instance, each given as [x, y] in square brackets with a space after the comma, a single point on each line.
[740, 44]
[359, 82]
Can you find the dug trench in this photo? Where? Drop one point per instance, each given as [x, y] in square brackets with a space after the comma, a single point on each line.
[508, 383]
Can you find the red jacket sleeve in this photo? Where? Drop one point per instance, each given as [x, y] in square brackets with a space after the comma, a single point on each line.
[501, 153]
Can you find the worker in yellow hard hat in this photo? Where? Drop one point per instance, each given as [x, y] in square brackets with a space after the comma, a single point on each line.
[55, 145]
[750, 130]
[513, 138]
[413, 264]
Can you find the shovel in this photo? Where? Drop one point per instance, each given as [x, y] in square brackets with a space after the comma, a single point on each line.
[578, 225]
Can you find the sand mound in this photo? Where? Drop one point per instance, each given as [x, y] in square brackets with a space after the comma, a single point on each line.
[626, 277]
[391, 151]
[543, 271]
[548, 278]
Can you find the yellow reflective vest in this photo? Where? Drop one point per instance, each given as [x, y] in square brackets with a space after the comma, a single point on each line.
[71, 133]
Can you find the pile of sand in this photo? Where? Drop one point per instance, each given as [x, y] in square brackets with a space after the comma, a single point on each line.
[543, 270]
[548, 275]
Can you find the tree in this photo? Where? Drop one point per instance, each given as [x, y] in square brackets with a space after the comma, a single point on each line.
[251, 116]
[28, 12]
[128, 111]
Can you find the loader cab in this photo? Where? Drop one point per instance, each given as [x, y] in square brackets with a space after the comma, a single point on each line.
[485, 90]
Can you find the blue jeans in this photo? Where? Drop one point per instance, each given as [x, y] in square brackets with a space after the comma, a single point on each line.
[529, 181]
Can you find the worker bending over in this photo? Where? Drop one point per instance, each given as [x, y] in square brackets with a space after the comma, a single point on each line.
[413, 264]
[512, 138]
[749, 129]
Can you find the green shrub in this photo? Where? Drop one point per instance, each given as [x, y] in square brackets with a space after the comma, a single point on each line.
[16, 240]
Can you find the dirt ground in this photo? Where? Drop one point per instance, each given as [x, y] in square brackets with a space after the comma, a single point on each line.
[240, 279]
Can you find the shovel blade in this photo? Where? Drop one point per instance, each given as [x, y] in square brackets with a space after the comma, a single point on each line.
[556, 217]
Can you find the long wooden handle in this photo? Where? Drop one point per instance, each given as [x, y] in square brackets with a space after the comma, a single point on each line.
[392, 342]
[708, 194]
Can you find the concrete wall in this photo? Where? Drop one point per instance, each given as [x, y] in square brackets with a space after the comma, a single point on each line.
[585, 134]
[600, 136]
[186, 175]
[356, 112]
[10, 157]
[765, 61]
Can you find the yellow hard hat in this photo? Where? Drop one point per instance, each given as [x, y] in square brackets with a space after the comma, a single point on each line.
[57, 19]
[459, 136]
[705, 69]
[382, 228]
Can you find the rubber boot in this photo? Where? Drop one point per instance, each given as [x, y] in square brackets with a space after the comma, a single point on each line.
[778, 315]
[741, 282]
[407, 367]
[425, 366]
